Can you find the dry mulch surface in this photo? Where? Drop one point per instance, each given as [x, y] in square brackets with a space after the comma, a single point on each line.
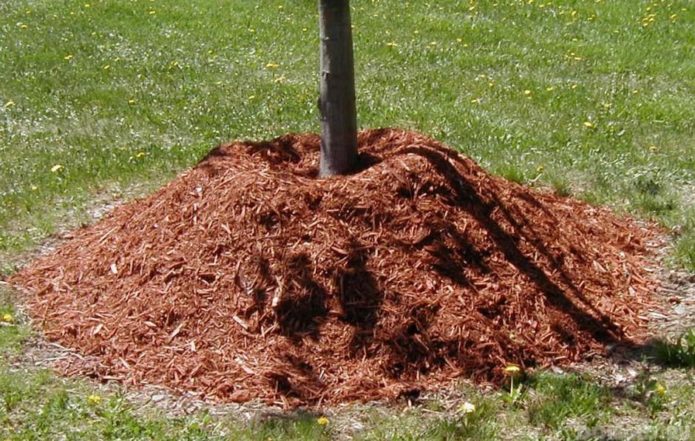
[248, 277]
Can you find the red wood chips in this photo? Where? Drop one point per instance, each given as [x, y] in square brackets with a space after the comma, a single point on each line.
[248, 277]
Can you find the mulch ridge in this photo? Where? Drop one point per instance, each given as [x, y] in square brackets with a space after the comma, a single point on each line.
[248, 278]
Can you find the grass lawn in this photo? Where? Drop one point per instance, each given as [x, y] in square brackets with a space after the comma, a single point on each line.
[106, 99]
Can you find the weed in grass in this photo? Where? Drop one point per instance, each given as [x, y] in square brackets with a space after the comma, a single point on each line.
[12, 332]
[556, 398]
[650, 392]
[560, 185]
[299, 427]
[515, 376]
[677, 353]
[11, 392]
[512, 172]
[472, 421]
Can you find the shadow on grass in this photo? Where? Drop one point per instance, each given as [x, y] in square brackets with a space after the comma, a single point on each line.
[677, 353]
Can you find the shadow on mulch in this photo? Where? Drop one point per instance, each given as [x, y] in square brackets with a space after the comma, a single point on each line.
[248, 277]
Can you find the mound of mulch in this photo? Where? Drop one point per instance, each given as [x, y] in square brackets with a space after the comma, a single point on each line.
[247, 277]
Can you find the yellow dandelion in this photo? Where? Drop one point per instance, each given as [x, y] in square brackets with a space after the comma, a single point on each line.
[9, 104]
[272, 66]
[322, 421]
[660, 389]
[7, 318]
[589, 125]
[527, 92]
[68, 57]
[93, 400]
[467, 408]
[391, 44]
[56, 168]
[131, 101]
[512, 370]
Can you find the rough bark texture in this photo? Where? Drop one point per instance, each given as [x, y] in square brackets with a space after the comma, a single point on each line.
[337, 101]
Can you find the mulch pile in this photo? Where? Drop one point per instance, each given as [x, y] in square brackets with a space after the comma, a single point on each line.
[248, 277]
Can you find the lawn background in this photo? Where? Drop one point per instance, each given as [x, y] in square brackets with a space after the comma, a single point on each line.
[593, 99]
[103, 101]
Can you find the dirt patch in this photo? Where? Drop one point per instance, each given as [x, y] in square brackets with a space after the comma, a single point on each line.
[247, 277]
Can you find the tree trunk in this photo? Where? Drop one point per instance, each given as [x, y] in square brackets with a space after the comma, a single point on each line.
[337, 101]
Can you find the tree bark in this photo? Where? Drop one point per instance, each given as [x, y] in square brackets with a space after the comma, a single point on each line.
[337, 100]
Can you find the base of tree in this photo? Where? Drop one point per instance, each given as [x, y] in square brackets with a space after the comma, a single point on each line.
[247, 277]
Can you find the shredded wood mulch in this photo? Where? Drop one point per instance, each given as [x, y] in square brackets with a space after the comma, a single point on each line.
[247, 277]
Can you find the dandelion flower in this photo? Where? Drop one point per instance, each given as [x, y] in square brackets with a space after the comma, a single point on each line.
[93, 400]
[589, 125]
[527, 92]
[660, 389]
[272, 66]
[7, 318]
[56, 168]
[9, 104]
[322, 421]
[513, 370]
[467, 408]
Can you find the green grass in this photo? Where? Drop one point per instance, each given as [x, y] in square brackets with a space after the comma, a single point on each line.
[593, 99]
[37, 405]
[561, 397]
[106, 99]
[678, 353]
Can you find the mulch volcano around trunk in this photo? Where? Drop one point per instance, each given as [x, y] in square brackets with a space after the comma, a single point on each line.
[248, 277]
